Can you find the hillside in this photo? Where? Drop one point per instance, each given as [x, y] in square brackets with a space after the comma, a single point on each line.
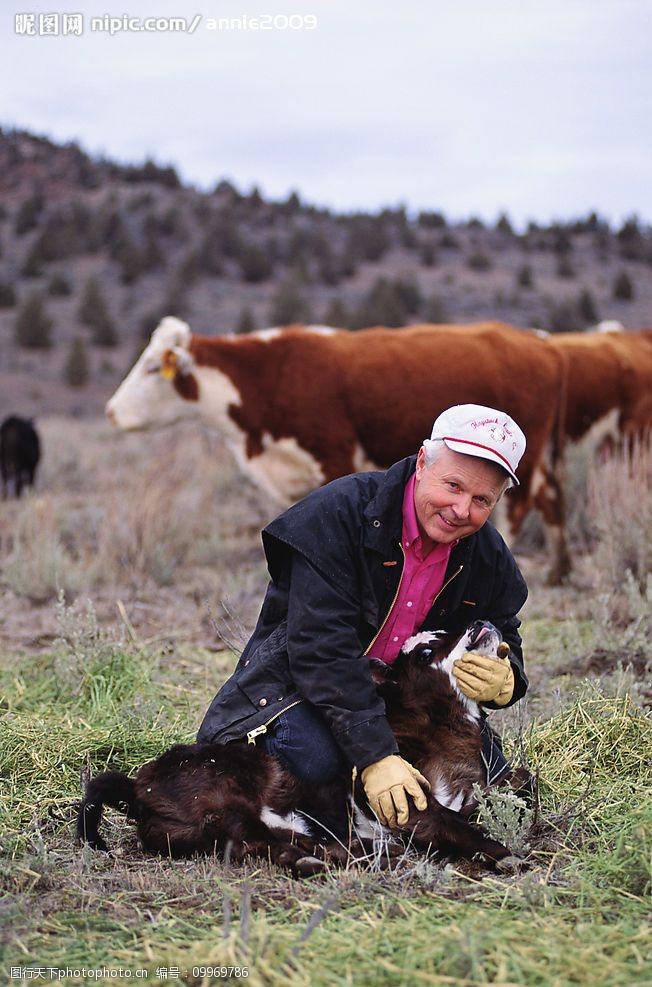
[100, 251]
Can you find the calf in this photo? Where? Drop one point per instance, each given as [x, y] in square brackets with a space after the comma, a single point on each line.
[20, 451]
[199, 798]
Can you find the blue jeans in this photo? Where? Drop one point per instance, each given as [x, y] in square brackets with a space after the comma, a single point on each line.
[301, 739]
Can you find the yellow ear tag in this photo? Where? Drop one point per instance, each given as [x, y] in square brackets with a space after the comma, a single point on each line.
[169, 365]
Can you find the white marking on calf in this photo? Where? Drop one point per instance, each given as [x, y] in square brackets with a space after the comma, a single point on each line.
[462, 646]
[446, 797]
[292, 821]
[486, 646]
[364, 827]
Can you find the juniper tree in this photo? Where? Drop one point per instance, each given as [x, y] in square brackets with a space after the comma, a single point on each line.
[33, 327]
[246, 323]
[94, 313]
[76, 370]
[623, 287]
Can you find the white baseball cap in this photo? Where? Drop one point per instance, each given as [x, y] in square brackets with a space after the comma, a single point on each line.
[484, 432]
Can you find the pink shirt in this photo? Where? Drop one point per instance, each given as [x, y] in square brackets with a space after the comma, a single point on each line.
[421, 581]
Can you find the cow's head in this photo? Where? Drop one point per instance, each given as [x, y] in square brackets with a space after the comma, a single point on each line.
[161, 386]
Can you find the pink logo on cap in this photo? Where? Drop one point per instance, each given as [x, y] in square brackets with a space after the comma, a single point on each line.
[484, 432]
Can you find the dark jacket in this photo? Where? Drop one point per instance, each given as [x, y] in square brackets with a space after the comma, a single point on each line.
[335, 563]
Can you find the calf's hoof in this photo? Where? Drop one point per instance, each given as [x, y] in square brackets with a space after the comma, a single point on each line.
[307, 866]
[510, 865]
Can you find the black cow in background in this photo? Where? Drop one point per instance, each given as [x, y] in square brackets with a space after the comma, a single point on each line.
[20, 451]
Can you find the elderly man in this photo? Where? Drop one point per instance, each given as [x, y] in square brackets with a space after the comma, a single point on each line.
[356, 568]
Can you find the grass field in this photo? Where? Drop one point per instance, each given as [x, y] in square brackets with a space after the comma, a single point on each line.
[159, 591]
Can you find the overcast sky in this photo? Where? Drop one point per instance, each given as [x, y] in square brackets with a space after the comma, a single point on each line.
[540, 108]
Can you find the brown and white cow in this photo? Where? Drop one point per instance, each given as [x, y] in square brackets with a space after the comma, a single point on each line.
[607, 383]
[301, 406]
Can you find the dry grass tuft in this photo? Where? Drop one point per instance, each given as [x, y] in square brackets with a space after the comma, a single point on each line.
[620, 510]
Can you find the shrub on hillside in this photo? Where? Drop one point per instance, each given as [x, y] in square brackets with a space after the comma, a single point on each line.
[255, 264]
[93, 312]
[478, 260]
[564, 268]
[75, 369]
[435, 309]
[587, 307]
[623, 288]
[337, 315]
[449, 242]
[368, 238]
[565, 317]
[288, 305]
[384, 305]
[210, 255]
[68, 231]
[503, 225]
[409, 292]
[32, 266]
[7, 295]
[632, 240]
[246, 322]
[29, 213]
[432, 220]
[524, 277]
[33, 327]
[153, 257]
[562, 243]
[130, 259]
[149, 171]
[428, 254]
[59, 286]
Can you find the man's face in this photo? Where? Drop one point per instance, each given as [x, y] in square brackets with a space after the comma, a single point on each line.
[455, 496]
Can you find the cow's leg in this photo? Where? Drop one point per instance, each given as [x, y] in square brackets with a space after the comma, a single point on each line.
[548, 498]
[248, 836]
[440, 829]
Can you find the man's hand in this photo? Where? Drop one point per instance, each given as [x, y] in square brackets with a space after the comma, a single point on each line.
[486, 680]
[387, 783]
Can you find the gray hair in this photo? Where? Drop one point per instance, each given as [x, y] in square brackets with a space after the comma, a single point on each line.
[433, 448]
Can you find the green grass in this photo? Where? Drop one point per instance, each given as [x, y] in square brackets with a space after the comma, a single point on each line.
[579, 915]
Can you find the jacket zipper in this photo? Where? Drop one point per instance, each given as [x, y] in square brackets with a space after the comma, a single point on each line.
[256, 732]
[447, 583]
[398, 588]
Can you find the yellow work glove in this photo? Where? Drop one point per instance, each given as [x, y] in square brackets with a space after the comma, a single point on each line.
[486, 680]
[386, 784]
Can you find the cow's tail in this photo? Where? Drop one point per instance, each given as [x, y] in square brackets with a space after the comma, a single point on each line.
[110, 788]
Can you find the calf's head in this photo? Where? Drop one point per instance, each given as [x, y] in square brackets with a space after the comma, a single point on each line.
[430, 652]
